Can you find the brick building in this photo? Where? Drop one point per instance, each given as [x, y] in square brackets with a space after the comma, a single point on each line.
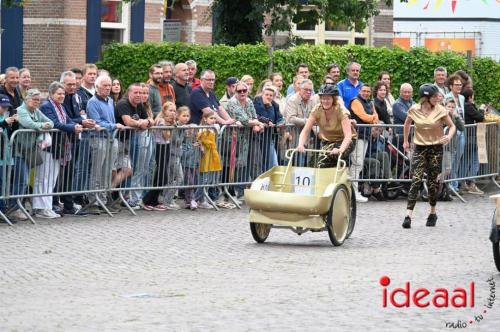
[50, 36]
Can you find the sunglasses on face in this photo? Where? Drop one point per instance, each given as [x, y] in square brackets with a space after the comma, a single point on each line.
[242, 91]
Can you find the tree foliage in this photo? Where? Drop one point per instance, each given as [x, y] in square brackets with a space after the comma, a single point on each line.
[237, 22]
[282, 13]
[131, 62]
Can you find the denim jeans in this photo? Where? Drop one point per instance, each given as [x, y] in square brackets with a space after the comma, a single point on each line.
[206, 178]
[20, 176]
[141, 159]
[458, 151]
[82, 164]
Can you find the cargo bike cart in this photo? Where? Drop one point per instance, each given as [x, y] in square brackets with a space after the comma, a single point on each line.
[303, 199]
[495, 232]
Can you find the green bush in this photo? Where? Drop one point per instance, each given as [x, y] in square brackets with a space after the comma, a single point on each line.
[131, 62]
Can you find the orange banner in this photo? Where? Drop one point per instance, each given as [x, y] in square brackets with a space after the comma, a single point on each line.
[404, 43]
[460, 45]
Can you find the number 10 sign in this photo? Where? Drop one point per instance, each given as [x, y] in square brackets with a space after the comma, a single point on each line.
[303, 180]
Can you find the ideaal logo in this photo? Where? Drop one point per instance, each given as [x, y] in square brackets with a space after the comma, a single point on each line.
[460, 297]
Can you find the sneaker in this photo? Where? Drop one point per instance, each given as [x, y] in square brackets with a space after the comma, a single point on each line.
[17, 215]
[431, 220]
[58, 210]
[73, 211]
[173, 206]
[159, 207]
[193, 205]
[47, 214]
[134, 205]
[205, 205]
[407, 222]
[379, 196]
[473, 189]
[360, 198]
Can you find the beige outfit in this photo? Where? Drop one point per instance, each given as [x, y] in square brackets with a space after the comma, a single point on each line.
[428, 129]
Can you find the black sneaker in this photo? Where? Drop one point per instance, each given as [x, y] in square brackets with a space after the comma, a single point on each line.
[407, 222]
[75, 212]
[431, 220]
[379, 196]
[57, 209]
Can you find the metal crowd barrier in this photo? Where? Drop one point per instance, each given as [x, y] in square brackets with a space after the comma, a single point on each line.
[4, 161]
[100, 170]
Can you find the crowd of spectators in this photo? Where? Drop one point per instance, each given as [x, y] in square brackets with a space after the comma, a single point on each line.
[91, 148]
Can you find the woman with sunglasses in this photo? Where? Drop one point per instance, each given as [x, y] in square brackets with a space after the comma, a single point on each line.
[241, 108]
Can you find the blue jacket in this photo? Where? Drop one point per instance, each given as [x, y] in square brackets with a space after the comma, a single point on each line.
[72, 106]
[68, 128]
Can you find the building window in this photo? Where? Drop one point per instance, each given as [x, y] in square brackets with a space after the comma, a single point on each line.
[337, 42]
[359, 41]
[305, 26]
[115, 22]
[335, 26]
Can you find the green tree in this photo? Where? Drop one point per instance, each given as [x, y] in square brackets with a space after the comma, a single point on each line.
[245, 15]
[237, 22]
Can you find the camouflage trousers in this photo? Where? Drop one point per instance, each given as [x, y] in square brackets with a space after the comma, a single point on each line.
[328, 160]
[426, 160]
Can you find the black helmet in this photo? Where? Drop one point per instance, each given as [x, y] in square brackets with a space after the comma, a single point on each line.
[427, 90]
[328, 89]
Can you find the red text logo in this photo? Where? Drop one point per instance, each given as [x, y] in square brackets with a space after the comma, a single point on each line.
[422, 297]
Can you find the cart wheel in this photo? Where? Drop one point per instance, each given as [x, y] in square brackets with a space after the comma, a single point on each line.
[352, 219]
[338, 216]
[496, 254]
[260, 232]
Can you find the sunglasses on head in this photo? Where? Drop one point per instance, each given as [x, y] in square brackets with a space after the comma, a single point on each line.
[242, 91]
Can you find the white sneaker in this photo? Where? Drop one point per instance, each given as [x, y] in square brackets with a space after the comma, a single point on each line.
[205, 205]
[47, 214]
[360, 198]
[18, 215]
[173, 206]
[193, 205]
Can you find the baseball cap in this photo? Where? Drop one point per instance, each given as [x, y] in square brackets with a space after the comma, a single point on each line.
[5, 101]
[231, 80]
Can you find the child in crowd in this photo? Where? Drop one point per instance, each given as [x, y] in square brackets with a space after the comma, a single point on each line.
[175, 176]
[210, 163]
[162, 153]
[190, 163]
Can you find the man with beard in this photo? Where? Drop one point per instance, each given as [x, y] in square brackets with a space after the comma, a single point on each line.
[166, 89]
[155, 79]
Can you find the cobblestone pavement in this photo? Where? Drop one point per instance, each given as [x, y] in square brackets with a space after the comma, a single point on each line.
[202, 271]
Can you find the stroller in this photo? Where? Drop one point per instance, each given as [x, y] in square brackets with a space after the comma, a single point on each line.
[400, 166]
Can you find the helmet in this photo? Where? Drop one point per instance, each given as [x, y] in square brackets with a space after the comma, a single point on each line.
[328, 89]
[427, 90]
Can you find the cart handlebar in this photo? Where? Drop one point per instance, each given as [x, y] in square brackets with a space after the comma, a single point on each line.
[290, 152]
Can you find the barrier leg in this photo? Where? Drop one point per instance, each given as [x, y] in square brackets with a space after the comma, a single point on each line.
[103, 206]
[456, 194]
[207, 197]
[235, 202]
[23, 210]
[4, 217]
[493, 178]
[124, 201]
